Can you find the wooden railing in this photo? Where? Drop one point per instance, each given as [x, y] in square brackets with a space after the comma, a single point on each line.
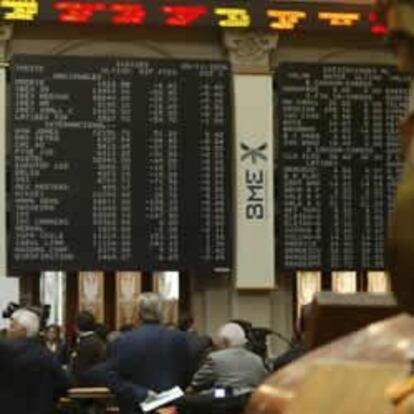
[100, 397]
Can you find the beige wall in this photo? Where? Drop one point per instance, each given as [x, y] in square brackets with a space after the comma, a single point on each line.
[214, 299]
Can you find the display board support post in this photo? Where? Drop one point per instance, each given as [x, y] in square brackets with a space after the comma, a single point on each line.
[6, 32]
[254, 233]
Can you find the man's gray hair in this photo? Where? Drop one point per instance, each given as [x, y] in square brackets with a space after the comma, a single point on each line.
[27, 320]
[151, 307]
[232, 335]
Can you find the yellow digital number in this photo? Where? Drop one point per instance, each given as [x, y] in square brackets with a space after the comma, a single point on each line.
[340, 19]
[285, 19]
[20, 9]
[234, 17]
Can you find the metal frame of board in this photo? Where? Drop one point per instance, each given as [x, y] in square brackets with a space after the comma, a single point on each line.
[3, 172]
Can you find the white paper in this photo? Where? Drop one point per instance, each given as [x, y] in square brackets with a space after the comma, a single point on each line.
[161, 399]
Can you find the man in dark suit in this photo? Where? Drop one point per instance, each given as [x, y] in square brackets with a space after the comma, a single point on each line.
[150, 359]
[31, 379]
[89, 350]
[199, 345]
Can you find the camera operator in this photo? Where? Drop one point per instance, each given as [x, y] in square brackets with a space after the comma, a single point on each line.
[31, 379]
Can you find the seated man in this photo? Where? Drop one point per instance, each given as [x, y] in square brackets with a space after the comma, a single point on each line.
[149, 359]
[31, 379]
[232, 366]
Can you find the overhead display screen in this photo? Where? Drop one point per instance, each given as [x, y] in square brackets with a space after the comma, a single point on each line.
[265, 14]
[338, 163]
[120, 164]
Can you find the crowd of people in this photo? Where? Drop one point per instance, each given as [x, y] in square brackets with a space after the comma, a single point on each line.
[37, 368]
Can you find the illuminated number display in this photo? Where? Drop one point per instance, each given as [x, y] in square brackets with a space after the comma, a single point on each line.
[233, 17]
[183, 15]
[340, 19]
[25, 10]
[263, 14]
[285, 19]
[128, 13]
[78, 12]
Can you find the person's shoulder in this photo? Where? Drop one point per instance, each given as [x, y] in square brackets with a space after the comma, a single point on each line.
[25, 349]
[238, 352]
[32, 352]
[92, 339]
[221, 354]
[7, 344]
[123, 338]
[252, 356]
[247, 352]
[132, 337]
[175, 333]
[176, 337]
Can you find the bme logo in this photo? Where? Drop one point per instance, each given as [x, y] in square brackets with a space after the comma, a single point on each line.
[254, 153]
[254, 180]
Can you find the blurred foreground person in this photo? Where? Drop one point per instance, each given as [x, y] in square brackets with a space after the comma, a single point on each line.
[232, 367]
[147, 360]
[399, 16]
[31, 380]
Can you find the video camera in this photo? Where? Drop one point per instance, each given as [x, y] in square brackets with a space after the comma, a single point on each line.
[257, 337]
[10, 309]
[43, 312]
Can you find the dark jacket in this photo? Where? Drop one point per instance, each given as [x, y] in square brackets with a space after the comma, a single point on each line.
[89, 351]
[151, 357]
[61, 352]
[31, 379]
[199, 347]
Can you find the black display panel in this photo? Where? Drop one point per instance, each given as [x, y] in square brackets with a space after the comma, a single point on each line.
[338, 163]
[120, 164]
[280, 16]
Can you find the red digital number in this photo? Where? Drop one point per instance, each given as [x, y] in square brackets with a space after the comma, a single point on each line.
[183, 15]
[128, 13]
[78, 12]
[377, 27]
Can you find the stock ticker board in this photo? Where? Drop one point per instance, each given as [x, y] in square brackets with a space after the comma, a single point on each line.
[338, 163]
[265, 14]
[120, 164]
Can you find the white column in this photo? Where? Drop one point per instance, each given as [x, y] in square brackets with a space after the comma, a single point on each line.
[254, 232]
[53, 293]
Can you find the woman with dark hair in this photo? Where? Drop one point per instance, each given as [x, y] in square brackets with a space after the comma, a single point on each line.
[54, 343]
